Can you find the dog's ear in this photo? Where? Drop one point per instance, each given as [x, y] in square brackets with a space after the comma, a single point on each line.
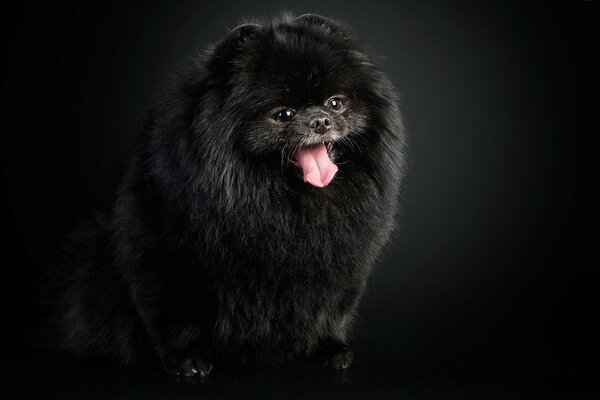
[225, 50]
[324, 23]
[243, 31]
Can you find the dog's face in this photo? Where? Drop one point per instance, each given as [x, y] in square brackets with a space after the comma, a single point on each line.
[301, 93]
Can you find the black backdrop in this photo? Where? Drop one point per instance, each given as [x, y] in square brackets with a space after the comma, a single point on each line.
[495, 268]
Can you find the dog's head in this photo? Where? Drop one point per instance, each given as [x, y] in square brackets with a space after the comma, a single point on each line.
[297, 94]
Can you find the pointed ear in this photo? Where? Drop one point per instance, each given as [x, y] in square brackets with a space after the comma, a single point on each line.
[323, 23]
[245, 30]
[225, 50]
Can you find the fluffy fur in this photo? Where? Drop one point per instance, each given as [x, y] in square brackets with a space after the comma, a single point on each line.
[216, 251]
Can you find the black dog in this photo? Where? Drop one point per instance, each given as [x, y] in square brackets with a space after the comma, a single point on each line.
[254, 206]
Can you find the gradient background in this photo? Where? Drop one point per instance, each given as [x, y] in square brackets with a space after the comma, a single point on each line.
[494, 273]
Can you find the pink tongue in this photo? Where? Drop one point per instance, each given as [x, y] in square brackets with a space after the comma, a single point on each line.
[316, 165]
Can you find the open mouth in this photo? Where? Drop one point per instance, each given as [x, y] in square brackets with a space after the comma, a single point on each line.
[316, 165]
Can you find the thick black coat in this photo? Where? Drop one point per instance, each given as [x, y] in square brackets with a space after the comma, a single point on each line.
[214, 249]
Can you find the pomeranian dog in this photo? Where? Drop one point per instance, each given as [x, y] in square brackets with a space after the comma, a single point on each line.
[255, 203]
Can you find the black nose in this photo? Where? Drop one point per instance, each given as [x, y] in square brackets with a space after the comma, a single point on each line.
[319, 124]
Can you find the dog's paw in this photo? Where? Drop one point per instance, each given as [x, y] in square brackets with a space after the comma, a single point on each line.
[186, 365]
[341, 360]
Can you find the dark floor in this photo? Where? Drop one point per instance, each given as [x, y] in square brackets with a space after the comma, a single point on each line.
[33, 375]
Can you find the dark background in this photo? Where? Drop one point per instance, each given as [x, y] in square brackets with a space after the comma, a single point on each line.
[491, 282]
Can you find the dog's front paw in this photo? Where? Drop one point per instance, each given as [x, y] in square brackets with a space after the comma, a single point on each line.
[186, 364]
[341, 360]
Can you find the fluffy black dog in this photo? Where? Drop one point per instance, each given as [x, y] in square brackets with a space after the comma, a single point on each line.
[254, 206]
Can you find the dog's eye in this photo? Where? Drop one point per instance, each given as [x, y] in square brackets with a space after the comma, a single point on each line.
[285, 115]
[334, 103]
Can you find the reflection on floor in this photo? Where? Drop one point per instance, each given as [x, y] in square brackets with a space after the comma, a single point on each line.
[33, 375]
